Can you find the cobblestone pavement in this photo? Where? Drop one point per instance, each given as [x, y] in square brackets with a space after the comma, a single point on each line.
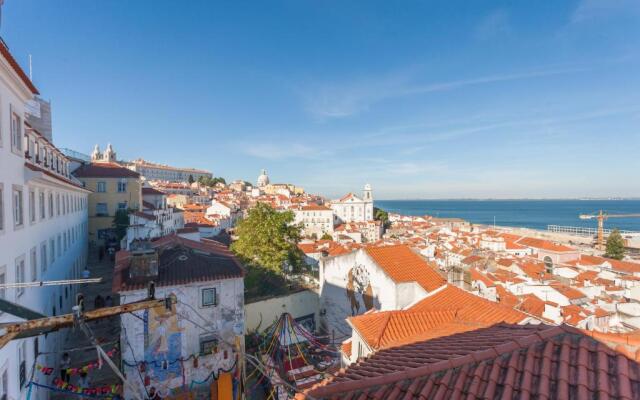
[107, 331]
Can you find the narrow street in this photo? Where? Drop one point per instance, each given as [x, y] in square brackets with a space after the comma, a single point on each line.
[106, 331]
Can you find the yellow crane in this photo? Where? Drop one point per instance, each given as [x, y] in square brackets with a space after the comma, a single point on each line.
[602, 216]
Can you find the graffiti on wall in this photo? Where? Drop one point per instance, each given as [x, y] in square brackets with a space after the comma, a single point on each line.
[163, 343]
[359, 290]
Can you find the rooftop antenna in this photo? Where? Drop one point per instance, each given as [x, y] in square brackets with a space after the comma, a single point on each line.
[30, 68]
[1, 4]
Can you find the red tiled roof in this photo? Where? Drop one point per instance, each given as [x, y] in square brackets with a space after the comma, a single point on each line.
[502, 361]
[470, 307]
[104, 170]
[315, 207]
[403, 265]
[569, 292]
[16, 67]
[203, 261]
[532, 304]
[621, 266]
[544, 245]
[346, 348]
[151, 191]
[386, 328]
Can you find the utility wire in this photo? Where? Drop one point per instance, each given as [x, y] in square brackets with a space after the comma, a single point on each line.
[87, 331]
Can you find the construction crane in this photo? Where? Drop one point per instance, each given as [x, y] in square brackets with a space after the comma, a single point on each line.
[602, 216]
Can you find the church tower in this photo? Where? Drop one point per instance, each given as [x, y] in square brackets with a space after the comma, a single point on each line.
[367, 196]
[109, 154]
[95, 154]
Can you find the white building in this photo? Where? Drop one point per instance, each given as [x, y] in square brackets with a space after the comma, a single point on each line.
[159, 172]
[384, 278]
[351, 208]
[206, 323]
[153, 224]
[315, 220]
[43, 227]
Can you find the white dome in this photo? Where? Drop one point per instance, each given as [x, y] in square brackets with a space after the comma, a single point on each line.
[263, 179]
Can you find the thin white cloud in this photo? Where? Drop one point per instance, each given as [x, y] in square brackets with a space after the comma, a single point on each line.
[589, 10]
[344, 100]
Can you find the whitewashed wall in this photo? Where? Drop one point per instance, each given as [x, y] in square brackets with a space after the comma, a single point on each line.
[218, 320]
[261, 314]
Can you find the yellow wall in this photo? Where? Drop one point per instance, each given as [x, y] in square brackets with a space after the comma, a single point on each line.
[133, 197]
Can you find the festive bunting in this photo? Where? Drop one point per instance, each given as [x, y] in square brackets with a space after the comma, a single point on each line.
[76, 371]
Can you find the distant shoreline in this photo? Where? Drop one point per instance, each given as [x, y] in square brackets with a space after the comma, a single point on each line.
[519, 199]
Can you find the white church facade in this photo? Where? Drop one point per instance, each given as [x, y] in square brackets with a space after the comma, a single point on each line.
[351, 208]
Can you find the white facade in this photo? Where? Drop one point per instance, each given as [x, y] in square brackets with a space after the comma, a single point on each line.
[153, 224]
[158, 172]
[43, 230]
[219, 322]
[352, 208]
[353, 283]
[315, 220]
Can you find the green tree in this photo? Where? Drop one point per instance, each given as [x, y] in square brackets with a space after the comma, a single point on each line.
[326, 236]
[120, 223]
[381, 215]
[191, 180]
[615, 245]
[268, 238]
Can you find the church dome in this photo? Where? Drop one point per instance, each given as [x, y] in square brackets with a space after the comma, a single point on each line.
[263, 179]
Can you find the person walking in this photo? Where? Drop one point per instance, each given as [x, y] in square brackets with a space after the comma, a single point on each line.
[65, 364]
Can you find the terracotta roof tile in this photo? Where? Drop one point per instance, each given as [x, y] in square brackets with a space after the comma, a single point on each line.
[385, 328]
[544, 245]
[501, 361]
[403, 265]
[104, 170]
[470, 307]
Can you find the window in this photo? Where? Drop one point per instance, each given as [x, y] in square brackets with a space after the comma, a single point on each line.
[1, 207]
[41, 204]
[122, 206]
[43, 258]
[16, 132]
[52, 250]
[18, 213]
[208, 345]
[209, 297]
[59, 245]
[122, 186]
[50, 205]
[34, 266]
[22, 362]
[32, 206]
[101, 187]
[20, 275]
[58, 204]
[3, 280]
[101, 210]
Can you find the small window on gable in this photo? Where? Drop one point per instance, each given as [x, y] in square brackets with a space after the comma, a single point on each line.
[209, 297]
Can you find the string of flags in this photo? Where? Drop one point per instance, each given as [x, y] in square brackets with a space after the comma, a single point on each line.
[77, 371]
[92, 391]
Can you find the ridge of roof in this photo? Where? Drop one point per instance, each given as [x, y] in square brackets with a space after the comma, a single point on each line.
[515, 345]
[17, 68]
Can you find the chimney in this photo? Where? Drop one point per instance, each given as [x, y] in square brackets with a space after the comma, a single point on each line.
[144, 261]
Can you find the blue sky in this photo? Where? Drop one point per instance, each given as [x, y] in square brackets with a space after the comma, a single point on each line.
[421, 99]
